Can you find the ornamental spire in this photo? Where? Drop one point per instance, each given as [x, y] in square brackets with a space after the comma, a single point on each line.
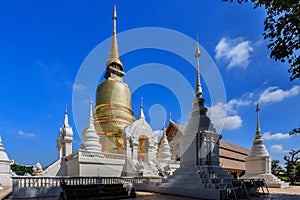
[258, 148]
[1, 145]
[91, 120]
[113, 64]
[257, 120]
[198, 91]
[171, 120]
[142, 115]
[66, 120]
[164, 132]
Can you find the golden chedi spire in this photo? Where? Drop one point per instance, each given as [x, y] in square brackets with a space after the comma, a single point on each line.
[114, 64]
[113, 102]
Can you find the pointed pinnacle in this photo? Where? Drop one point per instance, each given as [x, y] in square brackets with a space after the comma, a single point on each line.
[142, 115]
[114, 52]
[66, 111]
[66, 119]
[257, 107]
[198, 91]
[114, 17]
[170, 117]
[91, 107]
[197, 53]
[257, 120]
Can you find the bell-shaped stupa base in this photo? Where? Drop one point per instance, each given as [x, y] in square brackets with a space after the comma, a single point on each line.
[259, 167]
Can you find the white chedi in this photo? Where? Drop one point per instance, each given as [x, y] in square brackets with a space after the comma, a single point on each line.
[89, 135]
[199, 174]
[65, 138]
[164, 151]
[3, 154]
[66, 131]
[258, 162]
[5, 176]
[258, 148]
[37, 170]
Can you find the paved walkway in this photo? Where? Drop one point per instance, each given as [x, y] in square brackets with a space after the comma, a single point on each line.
[4, 192]
[155, 196]
[290, 193]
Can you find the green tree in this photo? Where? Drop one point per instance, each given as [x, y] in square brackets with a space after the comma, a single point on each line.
[298, 171]
[282, 29]
[21, 170]
[275, 167]
[295, 131]
[291, 164]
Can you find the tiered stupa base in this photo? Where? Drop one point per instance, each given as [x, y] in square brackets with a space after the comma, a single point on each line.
[271, 180]
[5, 179]
[205, 182]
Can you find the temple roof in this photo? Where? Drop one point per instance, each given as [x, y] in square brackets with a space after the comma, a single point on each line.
[232, 156]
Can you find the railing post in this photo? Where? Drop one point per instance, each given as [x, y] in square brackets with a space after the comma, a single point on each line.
[16, 184]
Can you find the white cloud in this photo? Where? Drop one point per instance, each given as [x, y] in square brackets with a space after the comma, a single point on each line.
[266, 82]
[227, 114]
[276, 136]
[234, 51]
[276, 148]
[22, 133]
[79, 87]
[275, 94]
[235, 103]
[233, 122]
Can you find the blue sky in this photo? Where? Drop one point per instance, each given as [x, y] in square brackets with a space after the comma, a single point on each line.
[43, 44]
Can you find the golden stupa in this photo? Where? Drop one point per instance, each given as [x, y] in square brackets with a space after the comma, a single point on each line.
[113, 102]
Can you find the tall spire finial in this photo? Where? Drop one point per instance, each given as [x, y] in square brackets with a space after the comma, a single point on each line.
[171, 117]
[142, 115]
[164, 130]
[115, 18]
[66, 120]
[91, 107]
[257, 120]
[198, 91]
[114, 58]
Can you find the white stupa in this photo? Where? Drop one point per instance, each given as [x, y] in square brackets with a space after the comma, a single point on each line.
[164, 151]
[199, 174]
[65, 138]
[37, 170]
[89, 135]
[5, 176]
[258, 162]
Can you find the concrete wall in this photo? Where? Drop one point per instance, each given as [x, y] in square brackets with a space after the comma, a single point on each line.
[90, 169]
[58, 168]
[34, 191]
